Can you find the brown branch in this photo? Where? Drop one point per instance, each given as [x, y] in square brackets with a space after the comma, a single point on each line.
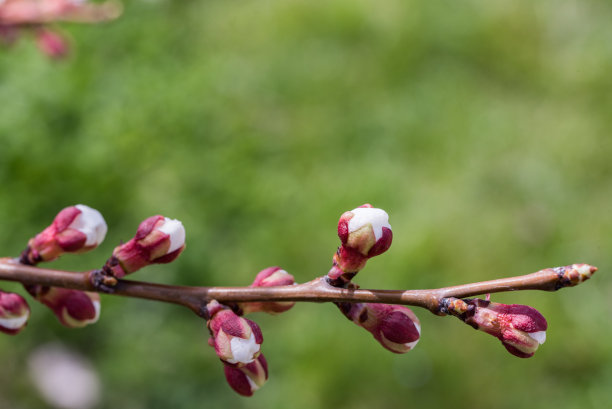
[317, 290]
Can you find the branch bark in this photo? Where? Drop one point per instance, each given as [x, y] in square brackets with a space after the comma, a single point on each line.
[317, 290]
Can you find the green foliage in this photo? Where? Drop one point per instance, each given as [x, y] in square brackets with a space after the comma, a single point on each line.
[483, 128]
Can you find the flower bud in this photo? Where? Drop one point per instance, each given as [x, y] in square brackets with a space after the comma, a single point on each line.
[14, 313]
[520, 328]
[395, 327]
[236, 340]
[364, 232]
[75, 229]
[247, 379]
[52, 44]
[73, 308]
[270, 277]
[158, 240]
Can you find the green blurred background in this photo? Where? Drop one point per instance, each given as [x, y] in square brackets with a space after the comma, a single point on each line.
[482, 127]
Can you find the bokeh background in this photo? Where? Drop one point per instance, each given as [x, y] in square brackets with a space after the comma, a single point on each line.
[482, 127]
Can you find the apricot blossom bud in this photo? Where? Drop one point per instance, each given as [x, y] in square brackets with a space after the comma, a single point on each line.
[395, 327]
[73, 308]
[75, 229]
[520, 328]
[158, 240]
[51, 43]
[270, 277]
[365, 232]
[236, 340]
[246, 379]
[14, 313]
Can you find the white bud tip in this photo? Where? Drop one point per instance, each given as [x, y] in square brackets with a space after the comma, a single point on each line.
[539, 336]
[173, 228]
[91, 223]
[14, 322]
[362, 216]
[243, 350]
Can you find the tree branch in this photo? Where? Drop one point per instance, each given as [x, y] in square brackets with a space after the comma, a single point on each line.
[317, 290]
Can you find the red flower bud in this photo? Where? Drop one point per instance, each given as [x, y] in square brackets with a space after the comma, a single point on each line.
[158, 240]
[75, 229]
[364, 232]
[14, 313]
[73, 308]
[270, 277]
[52, 44]
[236, 340]
[520, 328]
[395, 327]
[247, 379]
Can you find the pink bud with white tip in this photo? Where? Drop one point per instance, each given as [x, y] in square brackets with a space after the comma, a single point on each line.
[158, 240]
[364, 232]
[520, 328]
[73, 308]
[395, 327]
[14, 313]
[269, 277]
[236, 340]
[75, 229]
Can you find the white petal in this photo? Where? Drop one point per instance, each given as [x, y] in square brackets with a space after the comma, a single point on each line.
[91, 223]
[243, 350]
[14, 322]
[378, 218]
[539, 336]
[176, 231]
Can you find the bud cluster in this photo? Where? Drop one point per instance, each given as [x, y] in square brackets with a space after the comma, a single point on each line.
[237, 342]
[365, 232]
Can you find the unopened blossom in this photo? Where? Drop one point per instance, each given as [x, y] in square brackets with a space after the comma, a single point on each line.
[51, 43]
[73, 308]
[270, 277]
[246, 379]
[75, 229]
[395, 327]
[236, 340]
[14, 313]
[37, 15]
[520, 328]
[365, 232]
[158, 240]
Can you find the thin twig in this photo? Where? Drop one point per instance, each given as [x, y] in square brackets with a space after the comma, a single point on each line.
[317, 290]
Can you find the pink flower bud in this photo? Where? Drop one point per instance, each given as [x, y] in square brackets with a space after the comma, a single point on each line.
[158, 240]
[270, 277]
[395, 327]
[14, 313]
[52, 44]
[247, 379]
[75, 229]
[73, 308]
[520, 328]
[236, 340]
[364, 232]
